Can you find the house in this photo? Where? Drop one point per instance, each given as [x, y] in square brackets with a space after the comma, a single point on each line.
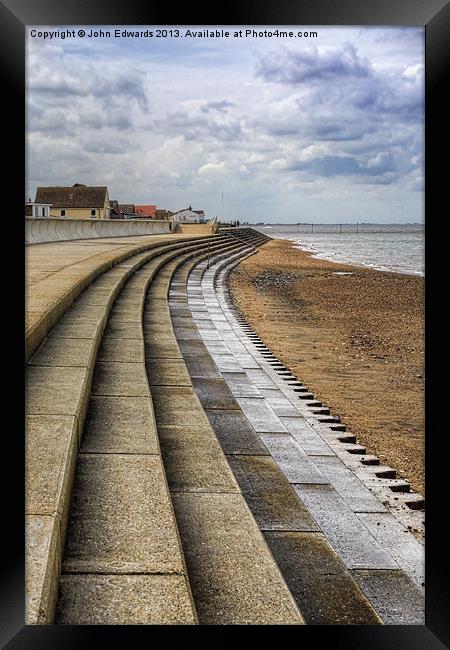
[76, 202]
[163, 215]
[146, 211]
[201, 215]
[128, 210]
[188, 215]
[37, 209]
[114, 212]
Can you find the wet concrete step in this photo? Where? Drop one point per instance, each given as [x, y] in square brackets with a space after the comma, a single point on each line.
[403, 603]
[225, 552]
[277, 508]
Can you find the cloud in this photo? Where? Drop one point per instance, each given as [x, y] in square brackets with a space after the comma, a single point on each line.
[196, 119]
[273, 126]
[221, 106]
[313, 64]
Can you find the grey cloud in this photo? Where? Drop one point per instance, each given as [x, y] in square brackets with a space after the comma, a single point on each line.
[112, 146]
[221, 106]
[311, 64]
[115, 119]
[199, 125]
[330, 166]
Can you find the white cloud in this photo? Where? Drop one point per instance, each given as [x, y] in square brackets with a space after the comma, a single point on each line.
[276, 126]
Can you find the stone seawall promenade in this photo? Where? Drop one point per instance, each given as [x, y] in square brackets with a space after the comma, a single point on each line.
[177, 472]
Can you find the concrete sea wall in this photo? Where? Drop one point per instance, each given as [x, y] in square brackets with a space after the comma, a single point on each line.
[39, 230]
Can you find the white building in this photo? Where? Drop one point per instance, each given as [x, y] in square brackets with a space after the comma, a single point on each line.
[187, 215]
[37, 209]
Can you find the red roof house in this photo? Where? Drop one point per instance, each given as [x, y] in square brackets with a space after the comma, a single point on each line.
[146, 211]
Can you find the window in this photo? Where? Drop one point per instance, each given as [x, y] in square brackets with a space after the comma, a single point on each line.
[63, 213]
[93, 213]
[43, 212]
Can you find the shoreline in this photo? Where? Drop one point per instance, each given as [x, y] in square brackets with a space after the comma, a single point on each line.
[353, 334]
[316, 255]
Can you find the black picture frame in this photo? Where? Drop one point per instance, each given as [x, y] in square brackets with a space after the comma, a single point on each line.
[15, 15]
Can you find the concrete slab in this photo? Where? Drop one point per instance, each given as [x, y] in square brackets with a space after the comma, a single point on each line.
[190, 347]
[64, 352]
[210, 335]
[399, 541]
[260, 379]
[351, 540]
[123, 329]
[55, 391]
[170, 373]
[85, 311]
[355, 493]
[240, 385]
[216, 347]
[311, 443]
[186, 333]
[121, 350]
[177, 405]
[226, 363]
[260, 415]
[194, 461]
[127, 379]
[236, 347]
[279, 402]
[233, 577]
[214, 394]
[51, 444]
[322, 587]
[121, 520]
[294, 463]
[395, 597]
[269, 495]
[208, 326]
[161, 350]
[120, 425]
[42, 563]
[245, 360]
[77, 328]
[201, 366]
[124, 600]
[235, 433]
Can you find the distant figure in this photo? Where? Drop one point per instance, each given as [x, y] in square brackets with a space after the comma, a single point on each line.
[238, 224]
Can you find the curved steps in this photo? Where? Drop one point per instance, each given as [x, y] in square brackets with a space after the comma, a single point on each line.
[58, 272]
[179, 507]
[58, 378]
[233, 577]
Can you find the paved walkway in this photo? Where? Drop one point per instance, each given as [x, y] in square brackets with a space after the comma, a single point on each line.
[57, 272]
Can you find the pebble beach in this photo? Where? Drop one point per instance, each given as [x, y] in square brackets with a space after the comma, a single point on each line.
[353, 335]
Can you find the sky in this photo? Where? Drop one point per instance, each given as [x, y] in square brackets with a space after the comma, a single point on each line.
[326, 129]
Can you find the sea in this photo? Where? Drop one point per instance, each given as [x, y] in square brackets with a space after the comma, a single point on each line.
[386, 247]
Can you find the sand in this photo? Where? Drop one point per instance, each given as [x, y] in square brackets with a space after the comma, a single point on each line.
[356, 341]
